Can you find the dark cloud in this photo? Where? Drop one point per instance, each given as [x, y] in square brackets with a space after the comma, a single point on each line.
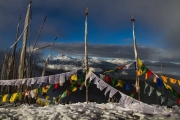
[114, 51]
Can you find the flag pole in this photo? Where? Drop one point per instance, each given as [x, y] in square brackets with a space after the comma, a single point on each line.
[86, 54]
[136, 58]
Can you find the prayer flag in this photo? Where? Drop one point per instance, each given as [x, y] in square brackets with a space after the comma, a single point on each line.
[120, 83]
[164, 78]
[148, 73]
[173, 81]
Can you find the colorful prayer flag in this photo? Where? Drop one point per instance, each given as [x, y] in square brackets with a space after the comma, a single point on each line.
[139, 62]
[164, 78]
[148, 73]
[173, 81]
[120, 83]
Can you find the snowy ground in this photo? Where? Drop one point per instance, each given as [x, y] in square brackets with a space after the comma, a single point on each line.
[81, 111]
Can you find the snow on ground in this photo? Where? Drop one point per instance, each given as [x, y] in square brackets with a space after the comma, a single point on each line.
[82, 111]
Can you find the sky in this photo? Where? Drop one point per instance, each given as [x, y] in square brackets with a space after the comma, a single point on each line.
[109, 27]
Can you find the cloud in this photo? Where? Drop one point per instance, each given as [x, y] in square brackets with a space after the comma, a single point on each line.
[115, 51]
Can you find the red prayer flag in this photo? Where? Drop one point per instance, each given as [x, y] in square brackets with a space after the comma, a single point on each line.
[148, 73]
[56, 86]
[107, 79]
[119, 68]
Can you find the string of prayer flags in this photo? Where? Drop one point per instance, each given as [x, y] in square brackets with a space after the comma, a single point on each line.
[120, 83]
[164, 78]
[128, 101]
[151, 90]
[173, 81]
[148, 73]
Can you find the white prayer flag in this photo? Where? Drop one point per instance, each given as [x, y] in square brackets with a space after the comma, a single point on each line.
[18, 82]
[123, 98]
[56, 79]
[34, 80]
[52, 79]
[62, 78]
[107, 90]
[24, 80]
[158, 93]
[102, 85]
[163, 99]
[128, 65]
[146, 85]
[42, 79]
[28, 83]
[92, 77]
[151, 90]
[112, 92]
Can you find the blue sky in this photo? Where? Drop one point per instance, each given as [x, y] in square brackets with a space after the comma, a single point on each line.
[156, 26]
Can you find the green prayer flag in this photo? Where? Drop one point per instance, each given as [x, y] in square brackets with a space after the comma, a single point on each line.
[143, 68]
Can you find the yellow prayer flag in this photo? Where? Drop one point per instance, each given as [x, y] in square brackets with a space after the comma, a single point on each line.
[4, 99]
[167, 86]
[154, 79]
[46, 103]
[47, 97]
[74, 89]
[13, 97]
[139, 62]
[139, 72]
[164, 78]
[179, 82]
[36, 91]
[74, 77]
[173, 81]
[120, 83]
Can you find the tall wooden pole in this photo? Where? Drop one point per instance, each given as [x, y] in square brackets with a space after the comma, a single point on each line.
[136, 58]
[86, 54]
[23, 52]
[14, 52]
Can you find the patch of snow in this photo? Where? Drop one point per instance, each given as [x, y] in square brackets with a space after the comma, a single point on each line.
[81, 111]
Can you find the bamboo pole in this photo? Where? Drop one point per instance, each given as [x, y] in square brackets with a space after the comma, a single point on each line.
[136, 58]
[86, 53]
